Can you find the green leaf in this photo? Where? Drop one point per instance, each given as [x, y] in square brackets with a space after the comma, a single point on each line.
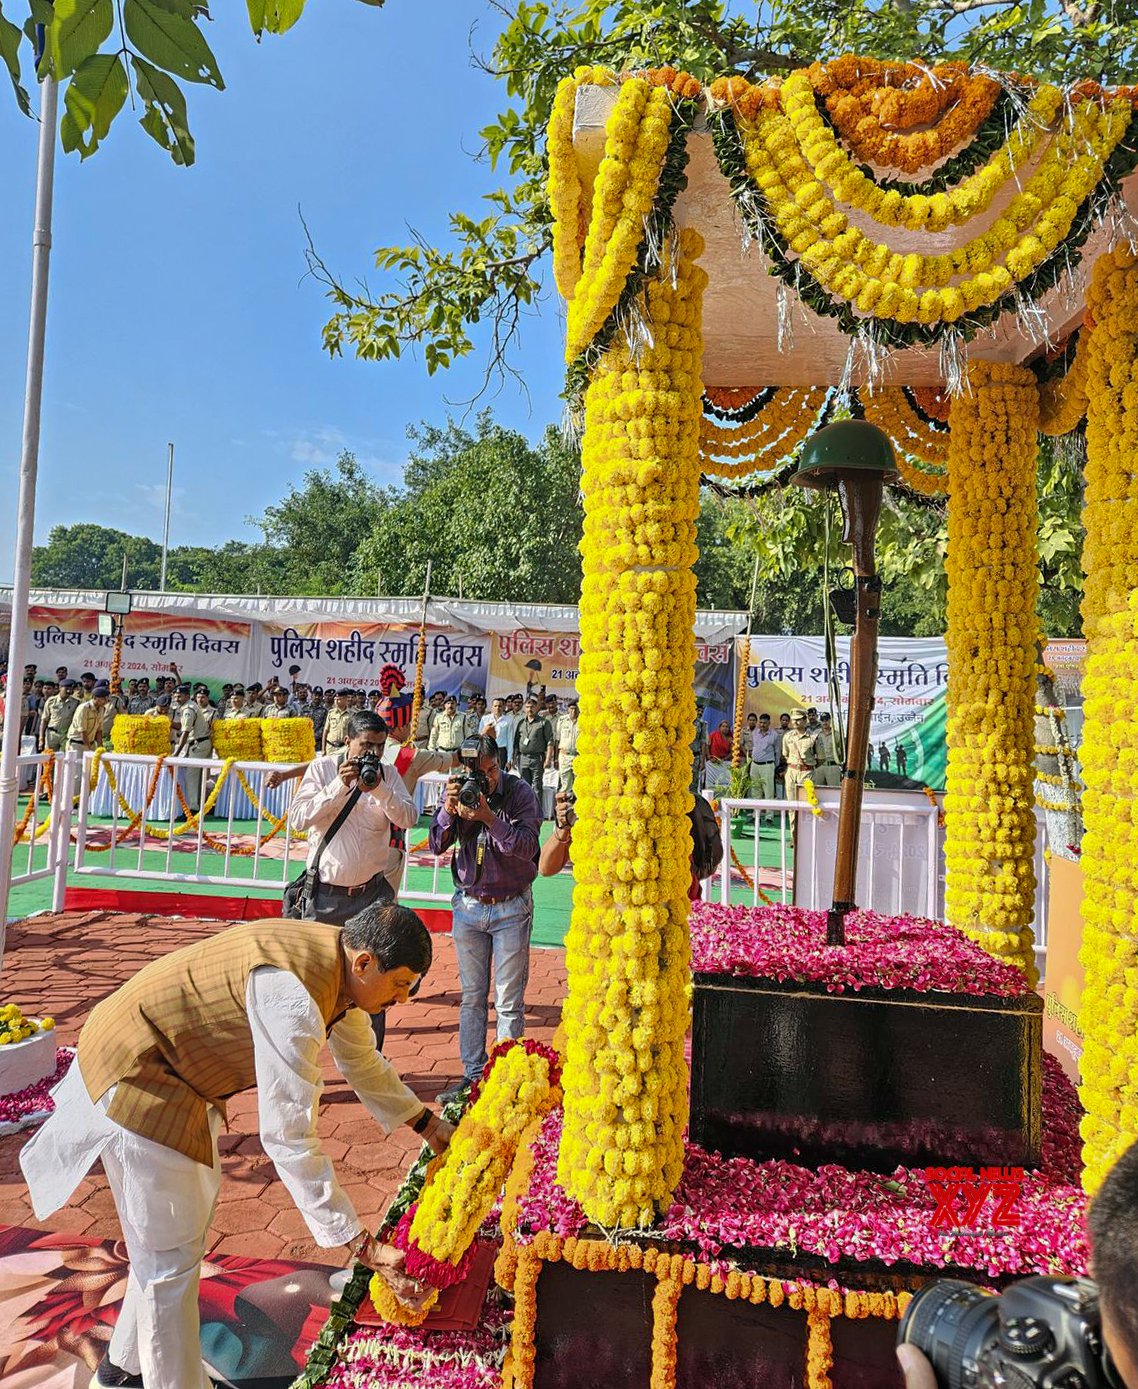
[165, 116]
[170, 39]
[10, 38]
[94, 97]
[274, 16]
[77, 30]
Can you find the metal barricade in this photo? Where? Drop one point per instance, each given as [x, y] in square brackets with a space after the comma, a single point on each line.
[137, 832]
[50, 791]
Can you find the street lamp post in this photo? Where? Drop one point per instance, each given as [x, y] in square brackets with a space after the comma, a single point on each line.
[854, 459]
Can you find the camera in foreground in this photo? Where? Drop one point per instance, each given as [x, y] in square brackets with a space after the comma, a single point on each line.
[473, 784]
[369, 768]
[1041, 1333]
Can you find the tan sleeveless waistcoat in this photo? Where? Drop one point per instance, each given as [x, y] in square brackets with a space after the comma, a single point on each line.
[176, 1038]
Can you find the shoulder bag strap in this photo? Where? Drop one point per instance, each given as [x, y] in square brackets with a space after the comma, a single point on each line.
[333, 829]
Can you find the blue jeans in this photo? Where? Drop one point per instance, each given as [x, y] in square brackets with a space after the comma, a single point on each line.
[482, 932]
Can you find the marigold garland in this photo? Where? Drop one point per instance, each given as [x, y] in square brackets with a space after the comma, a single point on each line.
[991, 637]
[287, 740]
[519, 1086]
[1109, 1011]
[626, 1013]
[240, 739]
[855, 187]
[140, 734]
[636, 141]
[761, 443]
[1063, 402]
[890, 410]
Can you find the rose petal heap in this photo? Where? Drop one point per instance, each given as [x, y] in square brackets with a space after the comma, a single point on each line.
[1109, 1012]
[136, 733]
[627, 948]
[992, 630]
[519, 1086]
[288, 740]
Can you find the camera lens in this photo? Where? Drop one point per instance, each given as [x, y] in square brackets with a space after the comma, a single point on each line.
[952, 1323]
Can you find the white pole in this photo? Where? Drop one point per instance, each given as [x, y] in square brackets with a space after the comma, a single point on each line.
[166, 522]
[26, 504]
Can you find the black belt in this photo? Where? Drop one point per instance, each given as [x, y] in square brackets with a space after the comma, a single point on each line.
[351, 891]
[490, 901]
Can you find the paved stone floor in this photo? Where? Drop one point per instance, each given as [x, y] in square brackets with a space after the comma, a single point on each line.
[63, 964]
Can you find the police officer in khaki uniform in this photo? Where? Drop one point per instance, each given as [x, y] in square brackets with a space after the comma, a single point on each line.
[336, 724]
[827, 772]
[280, 707]
[799, 751]
[448, 728]
[58, 712]
[254, 700]
[196, 739]
[88, 729]
[566, 745]
[237, 707]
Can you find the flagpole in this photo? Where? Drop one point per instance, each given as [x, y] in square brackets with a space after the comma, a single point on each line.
[26, 503]
[166, 522]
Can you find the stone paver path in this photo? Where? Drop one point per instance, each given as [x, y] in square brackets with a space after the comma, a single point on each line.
[64, 964]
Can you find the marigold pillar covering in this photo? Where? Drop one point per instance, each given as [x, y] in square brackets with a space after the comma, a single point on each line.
[992, 627]
[627, 951]
[1109, 1012]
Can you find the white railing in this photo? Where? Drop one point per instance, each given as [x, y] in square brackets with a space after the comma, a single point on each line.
[900, 857]
[125, 855]
[50, 832]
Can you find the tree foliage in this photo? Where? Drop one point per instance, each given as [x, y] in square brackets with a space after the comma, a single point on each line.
[99, 49]
[445, 301]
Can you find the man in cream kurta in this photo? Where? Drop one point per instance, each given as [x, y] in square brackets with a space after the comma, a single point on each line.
[155, 1063]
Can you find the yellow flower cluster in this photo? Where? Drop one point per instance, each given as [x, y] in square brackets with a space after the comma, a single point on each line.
[566, 201]
[1063, 403]
[461, 1191]
[241, 739]
[914, 288]
[775, 434]
[627, 950]
[913, 438]
[636, 141]
[138, 733]
[14, 1027]
[855, 187]
[992, 630]
[1109, 1011]
[286, 740]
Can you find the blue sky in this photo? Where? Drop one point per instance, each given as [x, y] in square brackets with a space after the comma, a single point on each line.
[179, 308]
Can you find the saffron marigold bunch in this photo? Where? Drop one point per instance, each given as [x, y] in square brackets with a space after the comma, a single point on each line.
[137, 733]
[240, 739]
[627, 949]
[1109, 1012]
[519, 1087]
[992, 632]
[288, 740]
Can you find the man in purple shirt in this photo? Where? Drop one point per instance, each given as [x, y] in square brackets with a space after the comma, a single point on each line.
[494, 865]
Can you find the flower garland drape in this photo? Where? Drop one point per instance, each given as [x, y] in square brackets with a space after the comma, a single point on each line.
[626, 1013]
[991, 635]
[1109, 1011]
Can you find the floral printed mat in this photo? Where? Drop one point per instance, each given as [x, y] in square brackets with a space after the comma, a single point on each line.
[60, 1295]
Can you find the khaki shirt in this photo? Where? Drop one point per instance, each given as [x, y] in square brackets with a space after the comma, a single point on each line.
[58, 713]
[255, 709]
[800, 749]
[243, 713]
[824, 748]
[567, 731]
[272, 712]
[197, 722]
[336, 727]
[87, 726]
[447, 733]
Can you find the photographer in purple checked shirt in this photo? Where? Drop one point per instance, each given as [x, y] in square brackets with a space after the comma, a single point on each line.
[493, 820]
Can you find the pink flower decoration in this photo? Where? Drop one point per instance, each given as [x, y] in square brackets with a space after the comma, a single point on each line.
[882, 952]
[32, 1105]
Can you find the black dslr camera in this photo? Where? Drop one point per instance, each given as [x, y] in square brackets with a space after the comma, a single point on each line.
[369, 767]
[473, 784]
[1042, 1333]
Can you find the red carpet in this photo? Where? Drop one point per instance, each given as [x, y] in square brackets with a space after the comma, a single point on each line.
[203, 907]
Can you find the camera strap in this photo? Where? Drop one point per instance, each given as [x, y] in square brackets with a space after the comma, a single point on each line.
[495, 802]
[333, 830]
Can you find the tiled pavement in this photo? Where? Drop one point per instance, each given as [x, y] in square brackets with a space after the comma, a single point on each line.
[64, 964]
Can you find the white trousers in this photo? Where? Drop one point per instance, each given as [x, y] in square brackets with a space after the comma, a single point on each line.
[165, 1203]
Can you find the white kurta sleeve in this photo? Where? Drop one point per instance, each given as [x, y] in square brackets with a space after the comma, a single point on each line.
[369, 1073]
[288, 1036]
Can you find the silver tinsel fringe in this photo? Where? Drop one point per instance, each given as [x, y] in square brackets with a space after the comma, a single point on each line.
[954, 364]
[785, 335]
